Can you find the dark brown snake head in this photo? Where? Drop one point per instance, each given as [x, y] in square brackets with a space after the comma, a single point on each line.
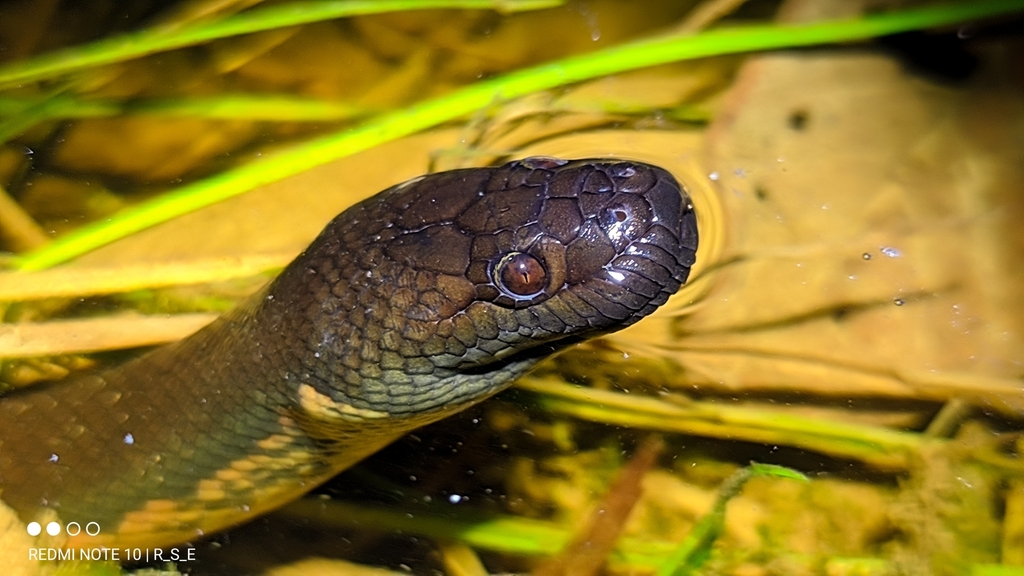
[441, 290]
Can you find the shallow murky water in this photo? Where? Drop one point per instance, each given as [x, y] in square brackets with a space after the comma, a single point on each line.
[855, 313]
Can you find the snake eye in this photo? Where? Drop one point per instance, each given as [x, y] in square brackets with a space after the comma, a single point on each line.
[520, 274]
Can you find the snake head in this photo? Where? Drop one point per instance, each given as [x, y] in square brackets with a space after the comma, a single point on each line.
[603, 243]
[447, 286]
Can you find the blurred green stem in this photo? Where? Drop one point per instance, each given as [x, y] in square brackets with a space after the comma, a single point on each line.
[224, 106]
[135, 44]
[696, 547]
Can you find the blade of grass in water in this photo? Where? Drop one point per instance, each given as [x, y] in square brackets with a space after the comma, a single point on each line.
[466, 100]
[508, 534]
[22, 113]
[696, 548]
[882, 448]
[136, 44]
[227, 106]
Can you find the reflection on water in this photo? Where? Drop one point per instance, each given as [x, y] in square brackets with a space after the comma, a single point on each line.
[856, 310]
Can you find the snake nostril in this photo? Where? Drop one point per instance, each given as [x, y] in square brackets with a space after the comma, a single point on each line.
[616, 216]
[520, 274]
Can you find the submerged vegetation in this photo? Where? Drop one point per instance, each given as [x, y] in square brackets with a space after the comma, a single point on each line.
[851, 342]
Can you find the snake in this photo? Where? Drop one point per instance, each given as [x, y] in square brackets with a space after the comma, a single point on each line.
[409, 306]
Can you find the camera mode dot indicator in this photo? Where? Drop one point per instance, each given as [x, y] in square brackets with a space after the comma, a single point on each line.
[34, 528]
[53, 528]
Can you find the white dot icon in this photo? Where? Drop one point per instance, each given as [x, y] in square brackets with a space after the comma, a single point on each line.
[53, 528]
[34, 528]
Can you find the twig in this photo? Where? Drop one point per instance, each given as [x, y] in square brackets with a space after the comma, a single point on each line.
[79, 282]
[589, 550]
[94, 334]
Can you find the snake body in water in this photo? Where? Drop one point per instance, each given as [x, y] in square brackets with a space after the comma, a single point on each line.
[412, 305]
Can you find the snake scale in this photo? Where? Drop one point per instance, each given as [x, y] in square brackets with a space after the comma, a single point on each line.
[411, 305]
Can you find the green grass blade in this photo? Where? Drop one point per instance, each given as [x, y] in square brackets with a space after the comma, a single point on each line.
[882, 448]
[464, 101]
[223, 107]
[135, 44]
[497, 533]
[695, 549]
